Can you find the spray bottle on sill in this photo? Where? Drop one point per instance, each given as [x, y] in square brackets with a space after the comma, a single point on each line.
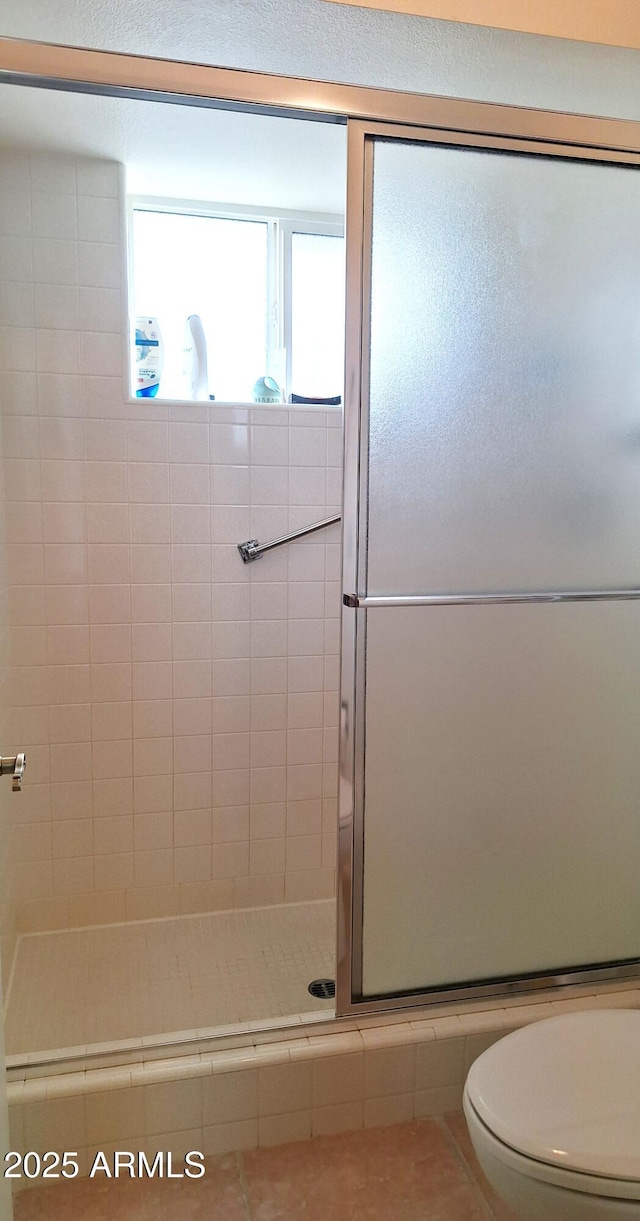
[149, 357]
[195, 370]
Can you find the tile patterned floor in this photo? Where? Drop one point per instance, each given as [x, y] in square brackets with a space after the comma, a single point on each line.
[422, 1171]
[123, 981]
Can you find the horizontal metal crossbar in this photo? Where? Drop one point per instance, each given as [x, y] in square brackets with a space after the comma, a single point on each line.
[604, 595]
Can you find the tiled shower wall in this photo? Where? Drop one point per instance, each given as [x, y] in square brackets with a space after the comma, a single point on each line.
[179, 709]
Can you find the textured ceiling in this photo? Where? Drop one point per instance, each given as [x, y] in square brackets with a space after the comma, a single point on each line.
[217, 155]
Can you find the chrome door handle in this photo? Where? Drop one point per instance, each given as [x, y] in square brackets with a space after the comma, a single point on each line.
[13, 765]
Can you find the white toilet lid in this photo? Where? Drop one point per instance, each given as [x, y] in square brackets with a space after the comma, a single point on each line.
[566, 1091]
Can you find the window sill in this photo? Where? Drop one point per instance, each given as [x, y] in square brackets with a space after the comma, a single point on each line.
[212, 404]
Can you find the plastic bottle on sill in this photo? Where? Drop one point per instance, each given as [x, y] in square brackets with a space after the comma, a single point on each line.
[195, 367]
[149, 357]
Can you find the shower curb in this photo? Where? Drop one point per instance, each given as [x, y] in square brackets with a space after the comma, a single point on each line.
[268, 1093]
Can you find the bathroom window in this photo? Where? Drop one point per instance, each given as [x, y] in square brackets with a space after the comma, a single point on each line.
[220, 301]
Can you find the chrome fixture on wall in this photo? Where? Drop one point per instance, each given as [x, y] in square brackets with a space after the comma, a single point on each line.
[252, 549]
[13, 765]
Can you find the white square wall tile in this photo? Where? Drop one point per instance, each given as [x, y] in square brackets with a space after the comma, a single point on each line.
[308, 446]
[218, 1139]
[230, 1097]
[190, 484]
[192, 864]
[107, 482]
[98, 219]
[269, 445]
[382, 1112]
[338, 1079]
[231, 783]
[63, 480]
[61, 438]
[440, 1063]
[283, 1129]
[230, 860]
[15, 209]
[341, 1117]
[53, 215]
[230, 824]
[284, 1088]
[15, 171]
[189, 442]
[62, 1116]
[151, 642]
[101, 353]
[115, 1115]
[55, 261]
[99, 265]
[191, 827]
[229, 444]
[53, 174]
[174, 1106]
[105, 440]
[192, 791]
[153, 832]
[147, 441]
[18, 349]
[16, 258]
[267, 856]
[16, 305]
[438, 1101]
[389, 1071]
[97, 177]
[101, 309]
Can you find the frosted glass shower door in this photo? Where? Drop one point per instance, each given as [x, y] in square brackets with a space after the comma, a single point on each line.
[499, 794]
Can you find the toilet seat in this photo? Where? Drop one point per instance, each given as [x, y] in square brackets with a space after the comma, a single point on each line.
[561, 1097]
[602, 1186]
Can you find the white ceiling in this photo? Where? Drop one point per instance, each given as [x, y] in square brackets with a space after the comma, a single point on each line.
[184, 151]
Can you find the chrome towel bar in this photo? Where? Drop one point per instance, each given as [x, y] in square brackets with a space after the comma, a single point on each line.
[252, 549]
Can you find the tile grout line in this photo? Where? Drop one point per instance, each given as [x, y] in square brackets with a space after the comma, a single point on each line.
[484, 1204]
[242, 1177]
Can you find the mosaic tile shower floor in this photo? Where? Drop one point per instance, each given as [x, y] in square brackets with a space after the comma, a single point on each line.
[125, 981]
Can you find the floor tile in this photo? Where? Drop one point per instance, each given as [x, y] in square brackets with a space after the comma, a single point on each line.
[408, 1172]
[157, 976]
[216, 1197]
[457, 1125]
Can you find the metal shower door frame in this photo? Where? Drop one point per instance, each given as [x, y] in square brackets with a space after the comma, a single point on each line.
[369, 112]
[362, 136]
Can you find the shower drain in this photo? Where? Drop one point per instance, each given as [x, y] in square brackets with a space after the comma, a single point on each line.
[324, 989]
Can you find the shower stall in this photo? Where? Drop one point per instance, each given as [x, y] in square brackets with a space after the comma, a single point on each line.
[174, 863]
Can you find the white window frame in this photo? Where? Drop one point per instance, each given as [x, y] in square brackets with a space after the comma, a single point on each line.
[281, 225]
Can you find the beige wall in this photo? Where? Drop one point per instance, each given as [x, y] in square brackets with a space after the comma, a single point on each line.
[616, 23]
[179, 709]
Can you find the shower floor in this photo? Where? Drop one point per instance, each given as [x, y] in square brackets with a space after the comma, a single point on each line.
[126, 981]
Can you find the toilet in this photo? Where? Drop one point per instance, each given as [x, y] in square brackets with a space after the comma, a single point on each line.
[553, 1112]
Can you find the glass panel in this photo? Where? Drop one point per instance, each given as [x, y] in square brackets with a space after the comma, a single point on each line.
[505, 373]
[502, 777]
[317, 315]
[215, 268]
